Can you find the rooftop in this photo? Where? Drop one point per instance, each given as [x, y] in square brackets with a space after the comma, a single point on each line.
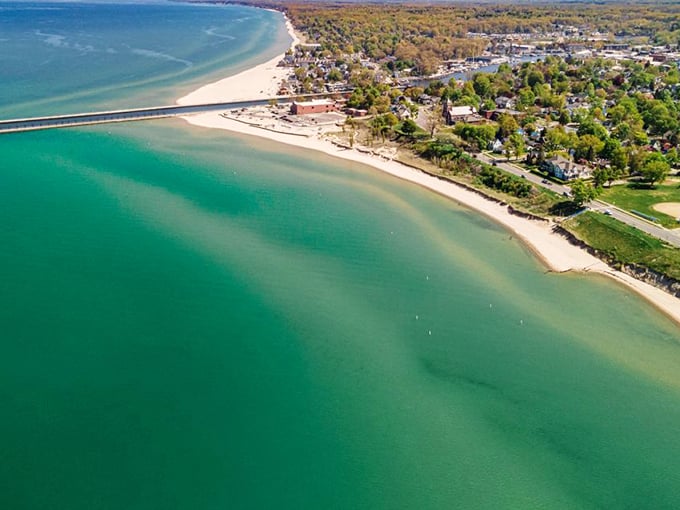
[313, 102]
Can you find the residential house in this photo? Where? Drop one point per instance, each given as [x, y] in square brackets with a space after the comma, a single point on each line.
[496, 146]
[504, 102]
[564, 169]
[402, 111]
[453, 114]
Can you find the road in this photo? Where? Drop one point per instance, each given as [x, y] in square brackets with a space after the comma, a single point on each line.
[525, 174]
[80, 119]
[670, 236]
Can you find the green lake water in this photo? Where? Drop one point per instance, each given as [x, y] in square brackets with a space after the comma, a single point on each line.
[197, 320]
[191, 319]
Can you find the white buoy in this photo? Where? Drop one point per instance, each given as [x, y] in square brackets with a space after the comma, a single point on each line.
[429, 332]
[416, 317]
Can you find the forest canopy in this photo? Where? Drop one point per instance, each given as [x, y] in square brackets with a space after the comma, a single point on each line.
[422, 35]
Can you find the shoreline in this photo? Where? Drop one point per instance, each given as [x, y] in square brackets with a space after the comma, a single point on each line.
[555, 252]
[242, 86]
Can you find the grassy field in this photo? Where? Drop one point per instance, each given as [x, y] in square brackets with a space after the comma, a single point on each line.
[624, 243]
[627, 197]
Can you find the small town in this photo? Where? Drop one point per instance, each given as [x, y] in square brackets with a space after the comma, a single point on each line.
[575, 124]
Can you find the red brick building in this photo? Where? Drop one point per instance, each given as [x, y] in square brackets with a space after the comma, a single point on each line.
[313, 106]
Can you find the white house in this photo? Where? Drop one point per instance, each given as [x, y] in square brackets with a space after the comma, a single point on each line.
[496, 146]
[564, 169]
[504, 102]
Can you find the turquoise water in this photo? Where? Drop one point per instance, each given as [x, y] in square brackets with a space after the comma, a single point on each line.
[193, 319]
[61, 57]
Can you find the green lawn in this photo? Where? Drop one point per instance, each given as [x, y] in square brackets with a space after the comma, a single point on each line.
[624, 243]
[627, 197]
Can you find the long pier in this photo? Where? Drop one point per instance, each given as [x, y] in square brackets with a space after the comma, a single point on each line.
[132, 114]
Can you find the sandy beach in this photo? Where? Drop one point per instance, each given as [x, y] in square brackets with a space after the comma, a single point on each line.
[259, 82]
[264, 80]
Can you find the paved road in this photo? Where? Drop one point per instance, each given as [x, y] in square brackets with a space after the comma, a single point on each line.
[61, 121]
[670, 236]
[525, 174]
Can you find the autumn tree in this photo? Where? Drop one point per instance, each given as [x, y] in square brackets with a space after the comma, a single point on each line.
[434, 121]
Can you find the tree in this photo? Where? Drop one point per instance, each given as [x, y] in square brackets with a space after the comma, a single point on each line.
[382, 104]
[525, 98]
[479, 135]
[673, 157]
[557, 138]
[636, 159]
[654, 169]
[639, 137]
[564, 118]
[335, 74]
[507, 125]
[482, 85]
[435, 88]
[434, 120]
[514, 145]
[382, 124]
[582, 192]
[408, 127]
[588, 147]
[660, 120]
[414, 92]
[610, 145]
[619, 160]
[606, 174]
[535, 77]
[357, 99]
[622, 131]
[589, 127]
[488, 105]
